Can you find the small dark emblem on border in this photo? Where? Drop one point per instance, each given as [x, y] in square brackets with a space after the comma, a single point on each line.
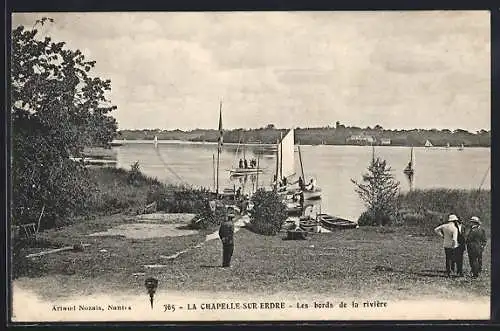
[151, 285]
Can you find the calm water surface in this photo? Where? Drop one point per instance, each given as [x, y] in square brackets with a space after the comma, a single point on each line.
[332, 166]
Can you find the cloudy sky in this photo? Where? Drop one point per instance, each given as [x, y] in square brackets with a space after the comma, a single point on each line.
[396, 69]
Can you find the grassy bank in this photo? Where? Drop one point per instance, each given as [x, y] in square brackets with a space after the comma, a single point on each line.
[369, 262]
[428, 208]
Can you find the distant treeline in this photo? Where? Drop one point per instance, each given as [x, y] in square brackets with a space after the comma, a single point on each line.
[338, 135]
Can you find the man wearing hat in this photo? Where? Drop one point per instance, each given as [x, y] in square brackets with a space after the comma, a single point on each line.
[476, 240]
[226, 233]
[449, 232]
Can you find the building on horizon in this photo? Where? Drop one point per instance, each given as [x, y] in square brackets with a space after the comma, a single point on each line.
[385, 141]
[360, 139]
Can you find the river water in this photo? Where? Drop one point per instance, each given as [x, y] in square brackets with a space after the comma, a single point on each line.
[332, 166]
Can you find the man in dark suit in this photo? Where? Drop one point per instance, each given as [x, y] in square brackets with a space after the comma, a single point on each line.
[476, 240]
[458, 259]
[226, 233]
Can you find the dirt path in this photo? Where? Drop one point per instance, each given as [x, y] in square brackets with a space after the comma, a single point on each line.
[239, 223]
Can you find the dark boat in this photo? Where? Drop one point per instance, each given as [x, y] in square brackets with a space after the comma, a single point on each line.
[333, 223]
[309, 225]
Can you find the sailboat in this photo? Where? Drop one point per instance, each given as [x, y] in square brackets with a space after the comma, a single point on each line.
[285, 157]
[285, 167]
[428, 144]
[461, 148]
[447, 145]
[409, 170]
[155, 141]
[245, 169]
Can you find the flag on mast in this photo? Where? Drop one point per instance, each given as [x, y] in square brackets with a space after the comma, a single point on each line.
[221, 132]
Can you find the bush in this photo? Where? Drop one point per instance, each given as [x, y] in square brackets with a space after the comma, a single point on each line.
[370, 218]
[268, 214]
[134, 174]
[178, 199]
[379, 191]
[432, 207]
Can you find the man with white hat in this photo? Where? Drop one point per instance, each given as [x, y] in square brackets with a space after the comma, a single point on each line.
[449, 233]
[476, 240]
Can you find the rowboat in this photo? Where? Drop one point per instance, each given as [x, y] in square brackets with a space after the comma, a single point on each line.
[293, 209]
[332, 223]
[309, 225]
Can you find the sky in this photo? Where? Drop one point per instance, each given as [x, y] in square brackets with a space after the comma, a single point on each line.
[401, 70]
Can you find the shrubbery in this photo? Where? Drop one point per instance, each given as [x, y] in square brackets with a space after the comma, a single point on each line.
[268, 213]
[432, 206]
[178, 199]
[379, 191]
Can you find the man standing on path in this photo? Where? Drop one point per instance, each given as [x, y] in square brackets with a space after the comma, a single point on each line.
[459, 251]
[476, 240]
[226, 233]
[449, 233]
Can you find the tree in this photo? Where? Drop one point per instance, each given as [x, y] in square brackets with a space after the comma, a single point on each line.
[379, 191]
[57, 109]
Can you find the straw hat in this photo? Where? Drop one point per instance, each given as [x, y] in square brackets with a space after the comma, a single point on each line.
[475, 219]
[452, 218]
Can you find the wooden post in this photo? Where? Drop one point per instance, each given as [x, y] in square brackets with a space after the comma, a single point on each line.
[213, 169]
[257, 180]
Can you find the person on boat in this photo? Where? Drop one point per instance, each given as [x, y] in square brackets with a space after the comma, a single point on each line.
[301, 183]
[241, 164]
[312, 185]
[226, 233]
[238, 192]
[449, 233]
[245, 162]
[284, 182]
[475, 243]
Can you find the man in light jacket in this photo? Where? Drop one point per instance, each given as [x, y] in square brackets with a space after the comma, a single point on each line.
[449, 233]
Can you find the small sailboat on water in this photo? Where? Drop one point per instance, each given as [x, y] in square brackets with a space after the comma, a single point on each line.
[428, 144]
[155, 141]
[244, 167]
[461, 148]
[410, 170]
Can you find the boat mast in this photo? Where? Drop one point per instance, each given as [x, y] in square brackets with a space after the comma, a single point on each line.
[301, 166]
[257, 180]
[218, 149]
[213, 168]
[281, 156]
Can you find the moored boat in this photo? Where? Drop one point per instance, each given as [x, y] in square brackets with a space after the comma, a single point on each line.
[309, 225]
[245, 171]
[312, 194]
[332, 223]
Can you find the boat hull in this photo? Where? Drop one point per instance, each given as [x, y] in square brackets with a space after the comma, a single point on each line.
[335, 223]
[312, 195]
[243, 172]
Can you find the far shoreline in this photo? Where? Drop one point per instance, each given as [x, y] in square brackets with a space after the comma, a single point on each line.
[117, 142]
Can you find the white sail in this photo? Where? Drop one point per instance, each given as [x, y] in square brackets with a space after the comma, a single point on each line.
[155, 141]
[286, 156]
[428, 143]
